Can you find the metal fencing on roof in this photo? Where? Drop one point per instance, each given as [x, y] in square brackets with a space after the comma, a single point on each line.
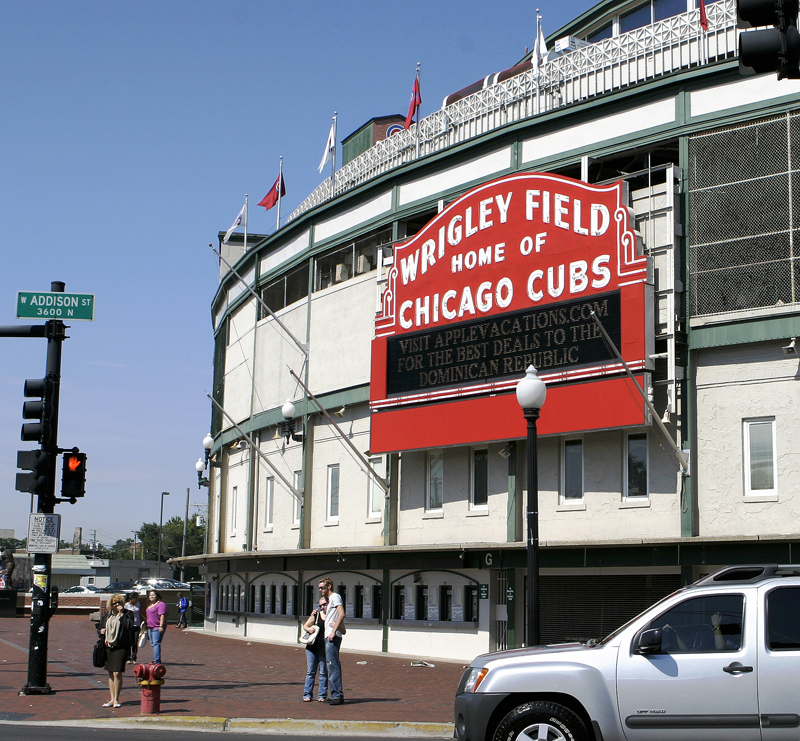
[652, 51]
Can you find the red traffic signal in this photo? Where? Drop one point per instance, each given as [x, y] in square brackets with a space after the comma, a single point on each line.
[73, 475]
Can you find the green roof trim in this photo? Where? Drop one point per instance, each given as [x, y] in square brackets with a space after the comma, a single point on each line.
[741, 333]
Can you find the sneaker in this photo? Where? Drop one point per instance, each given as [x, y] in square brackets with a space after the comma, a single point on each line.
[337, 701]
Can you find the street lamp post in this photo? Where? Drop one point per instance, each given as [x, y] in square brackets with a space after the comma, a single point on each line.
[135, 533]
[531, 393]
[160, 528]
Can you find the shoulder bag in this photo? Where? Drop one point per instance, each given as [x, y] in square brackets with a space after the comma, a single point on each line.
[99, 653]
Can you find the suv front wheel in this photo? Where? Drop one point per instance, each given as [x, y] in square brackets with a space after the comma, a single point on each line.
[541, 721]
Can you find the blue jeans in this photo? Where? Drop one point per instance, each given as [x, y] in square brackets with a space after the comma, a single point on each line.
[334, 667]
[314, 660]
[155, 636]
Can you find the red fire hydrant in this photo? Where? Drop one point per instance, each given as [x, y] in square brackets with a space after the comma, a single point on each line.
[150, 678]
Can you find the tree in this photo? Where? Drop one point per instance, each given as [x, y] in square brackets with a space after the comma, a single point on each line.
[122, 549]
[12, 543]
[171, 539]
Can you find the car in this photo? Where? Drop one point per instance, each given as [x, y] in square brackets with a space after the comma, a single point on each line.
[719, 655]
[81, 589]
[119, 586]
[143, 585]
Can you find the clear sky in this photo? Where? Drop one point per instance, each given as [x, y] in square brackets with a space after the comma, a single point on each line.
[129, 135]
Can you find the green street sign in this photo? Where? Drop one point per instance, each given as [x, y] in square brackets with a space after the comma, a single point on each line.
[76, 307]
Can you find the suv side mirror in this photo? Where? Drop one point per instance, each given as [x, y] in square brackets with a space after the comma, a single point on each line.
[649, 641]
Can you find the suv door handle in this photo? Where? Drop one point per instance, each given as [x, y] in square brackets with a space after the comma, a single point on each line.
[737, 668]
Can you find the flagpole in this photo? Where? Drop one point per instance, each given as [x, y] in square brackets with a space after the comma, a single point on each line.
[538, 52]
[333, 159]
[280, 190]
[417, 111]
[245, 222]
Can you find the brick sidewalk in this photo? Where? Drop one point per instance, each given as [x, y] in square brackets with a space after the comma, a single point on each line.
[212, 676]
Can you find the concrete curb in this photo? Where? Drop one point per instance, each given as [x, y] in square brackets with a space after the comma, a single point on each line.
[263, 726]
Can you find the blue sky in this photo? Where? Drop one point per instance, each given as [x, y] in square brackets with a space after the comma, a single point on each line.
[129, 135]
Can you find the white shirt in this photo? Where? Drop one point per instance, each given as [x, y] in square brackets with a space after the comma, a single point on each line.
[332, 615]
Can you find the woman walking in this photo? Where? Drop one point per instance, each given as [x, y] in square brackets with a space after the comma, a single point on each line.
[134, 609]
[315, 654]
[156, 622]
[115, 629]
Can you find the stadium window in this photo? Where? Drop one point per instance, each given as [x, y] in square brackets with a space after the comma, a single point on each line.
[399, 602]
[333, 493]
[636, 466]
[480, 479]
[606, 32]
[572, 471]
[445, 602]
[760, 464]
[421, 605]
[637, 18]
[433, 499]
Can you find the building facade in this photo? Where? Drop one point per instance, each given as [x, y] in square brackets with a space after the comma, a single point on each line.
[400, 473]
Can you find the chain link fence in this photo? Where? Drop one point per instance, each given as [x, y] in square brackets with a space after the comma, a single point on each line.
[744, 216]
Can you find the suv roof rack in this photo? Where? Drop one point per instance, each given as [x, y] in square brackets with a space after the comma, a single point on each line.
[748, 574]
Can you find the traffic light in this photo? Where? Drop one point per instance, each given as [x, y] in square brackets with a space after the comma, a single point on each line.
[38, 462]
[774, 49]
[41, 410]
[73, 475]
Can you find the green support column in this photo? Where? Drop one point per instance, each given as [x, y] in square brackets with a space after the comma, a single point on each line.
[512, 513]
[386, 596]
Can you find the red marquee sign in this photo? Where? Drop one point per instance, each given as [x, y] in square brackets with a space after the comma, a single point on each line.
[505, 277]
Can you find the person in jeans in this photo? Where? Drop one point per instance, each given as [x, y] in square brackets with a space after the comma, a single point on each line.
[333, 639]
[156, 622]
[183, 605]
[132, 606]
[315, 654]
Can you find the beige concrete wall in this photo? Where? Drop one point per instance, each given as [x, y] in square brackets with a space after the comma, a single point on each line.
[733, 384]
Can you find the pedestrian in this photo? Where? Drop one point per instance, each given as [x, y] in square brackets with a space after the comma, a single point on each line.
[183, 605]
[156, 622]
[134, 608]
[315, 654]
[115, 629]
[333, 639]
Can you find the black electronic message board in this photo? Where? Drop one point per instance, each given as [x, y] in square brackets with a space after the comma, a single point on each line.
[552, 338]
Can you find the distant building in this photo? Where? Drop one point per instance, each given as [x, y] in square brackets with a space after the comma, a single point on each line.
[695, 273]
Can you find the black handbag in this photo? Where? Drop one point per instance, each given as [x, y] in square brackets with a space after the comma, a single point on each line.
[99, 654]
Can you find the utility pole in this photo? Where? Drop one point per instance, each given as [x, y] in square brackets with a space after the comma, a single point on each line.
[183, 544]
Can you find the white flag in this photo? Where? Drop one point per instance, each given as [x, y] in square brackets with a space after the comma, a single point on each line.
[539, 56]
[242, 217]
[330, 145]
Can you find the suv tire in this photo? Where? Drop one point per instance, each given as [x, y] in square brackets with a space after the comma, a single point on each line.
[524, 723]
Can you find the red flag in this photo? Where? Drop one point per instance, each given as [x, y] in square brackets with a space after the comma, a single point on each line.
[416, 100]
[278, 189]
[703, 17]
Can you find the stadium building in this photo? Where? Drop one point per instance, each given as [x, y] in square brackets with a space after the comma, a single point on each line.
[634, 177]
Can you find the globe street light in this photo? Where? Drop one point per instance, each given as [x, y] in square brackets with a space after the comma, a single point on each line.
[160, 527]
[531, 393]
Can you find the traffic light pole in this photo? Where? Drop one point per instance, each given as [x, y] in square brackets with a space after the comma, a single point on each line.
[43, 601]
[41, 607]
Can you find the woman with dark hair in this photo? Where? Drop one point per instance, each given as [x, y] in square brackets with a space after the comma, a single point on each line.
[315, 654]
[134, 610]
[115, 629]
[156, 622]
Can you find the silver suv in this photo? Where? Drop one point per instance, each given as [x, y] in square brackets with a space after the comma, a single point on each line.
[719, 659]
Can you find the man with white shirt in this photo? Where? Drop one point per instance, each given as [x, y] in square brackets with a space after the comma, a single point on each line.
[333, 639]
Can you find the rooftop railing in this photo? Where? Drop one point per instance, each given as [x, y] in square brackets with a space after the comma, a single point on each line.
[652, 51]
